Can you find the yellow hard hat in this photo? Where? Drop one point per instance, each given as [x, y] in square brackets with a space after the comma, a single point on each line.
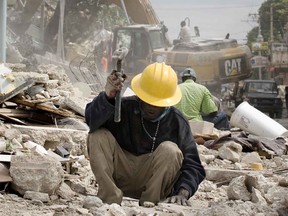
[157, 85]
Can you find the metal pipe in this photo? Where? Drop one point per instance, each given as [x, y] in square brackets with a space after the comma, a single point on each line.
[42, 26]
[271, 23]
[187, 19]
[3, 22]
[60, 40]
[126, 14]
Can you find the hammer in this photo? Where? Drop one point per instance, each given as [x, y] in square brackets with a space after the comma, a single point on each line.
[119, 56]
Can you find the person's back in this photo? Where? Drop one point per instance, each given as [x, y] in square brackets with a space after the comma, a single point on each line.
[185, 34]
[196, 100]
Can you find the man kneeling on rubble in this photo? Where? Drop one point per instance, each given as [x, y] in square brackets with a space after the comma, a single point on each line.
[150, 154]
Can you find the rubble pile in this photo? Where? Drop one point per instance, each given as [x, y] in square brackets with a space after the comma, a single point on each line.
[49, 89]
[44, 168]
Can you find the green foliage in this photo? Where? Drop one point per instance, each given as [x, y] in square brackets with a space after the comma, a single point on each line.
[280, 18]
[83, 17]
[252, 35]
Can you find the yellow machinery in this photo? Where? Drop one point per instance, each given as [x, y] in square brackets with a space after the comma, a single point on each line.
[216, 61]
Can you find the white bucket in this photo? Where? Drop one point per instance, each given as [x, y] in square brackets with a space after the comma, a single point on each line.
[250, 119]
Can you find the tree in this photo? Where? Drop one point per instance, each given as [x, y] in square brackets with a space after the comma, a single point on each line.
[252, 35]
[82, 18]
[280, 18]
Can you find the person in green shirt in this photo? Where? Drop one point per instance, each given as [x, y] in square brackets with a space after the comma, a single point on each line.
[197, 102]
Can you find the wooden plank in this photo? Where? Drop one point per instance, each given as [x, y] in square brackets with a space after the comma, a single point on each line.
[8, 104]
[14, 120]
[30, 115]
[29, 103]
[14, 112]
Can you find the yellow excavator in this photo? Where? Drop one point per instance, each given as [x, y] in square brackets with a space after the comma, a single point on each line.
[217, 61]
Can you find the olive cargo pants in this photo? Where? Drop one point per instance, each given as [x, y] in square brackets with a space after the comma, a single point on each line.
[120, 173]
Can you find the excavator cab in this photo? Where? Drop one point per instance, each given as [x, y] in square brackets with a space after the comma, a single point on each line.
[140, 40]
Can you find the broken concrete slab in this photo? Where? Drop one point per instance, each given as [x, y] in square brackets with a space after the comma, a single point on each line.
[237, 189]
[33, 195]
[230, 151]
[77, 104]
[32, 172]
[251, 157]
[218, 174]
[256, 197]
[37, 77]
[50, 138]
[14, 89]
[72, 123]
[54, 71]
[35, 147]
[65, 191]
[16, 67]
[5, 158]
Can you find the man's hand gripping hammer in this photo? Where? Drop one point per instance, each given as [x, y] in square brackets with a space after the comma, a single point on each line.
[119, 56]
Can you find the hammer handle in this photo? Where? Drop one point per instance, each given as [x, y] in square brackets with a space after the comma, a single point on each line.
[119, 55]
[117, 114]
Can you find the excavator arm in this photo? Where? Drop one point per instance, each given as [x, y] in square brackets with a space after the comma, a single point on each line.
[140, 11]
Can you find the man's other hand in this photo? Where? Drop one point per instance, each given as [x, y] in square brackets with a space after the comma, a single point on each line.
[180, 199]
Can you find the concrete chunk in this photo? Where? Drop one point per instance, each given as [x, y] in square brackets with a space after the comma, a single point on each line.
[230, 151]
[50, 138]
[32, 172]
[32, 195]
[216, 174]
[237, 189]
[77, 104]
[257, 197]
[65, 192]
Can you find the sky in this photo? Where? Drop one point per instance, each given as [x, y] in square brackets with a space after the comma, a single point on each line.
[214, 18]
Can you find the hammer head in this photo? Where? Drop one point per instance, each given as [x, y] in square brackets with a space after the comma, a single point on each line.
[120, 53]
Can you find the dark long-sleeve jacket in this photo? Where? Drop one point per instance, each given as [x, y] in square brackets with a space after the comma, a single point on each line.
[131, 136]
